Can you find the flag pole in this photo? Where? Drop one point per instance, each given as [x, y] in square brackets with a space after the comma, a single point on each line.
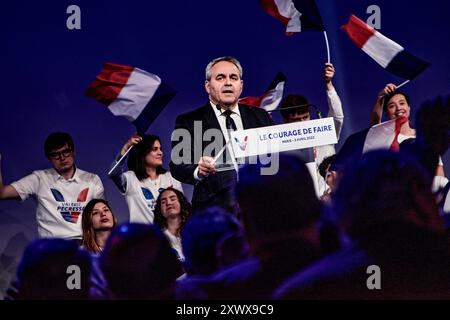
[220, 153]
[402, 84]
[120, 160]
[328, 45]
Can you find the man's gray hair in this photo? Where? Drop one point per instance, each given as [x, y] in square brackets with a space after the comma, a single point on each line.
[226, 58]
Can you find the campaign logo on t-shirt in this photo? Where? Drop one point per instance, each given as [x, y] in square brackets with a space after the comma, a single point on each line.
[70, 211]
[148, 195]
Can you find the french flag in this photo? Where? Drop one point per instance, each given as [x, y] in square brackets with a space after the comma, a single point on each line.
[296, 15]
[135, 94]
[381, 136]
[387, 53]
[271, 98]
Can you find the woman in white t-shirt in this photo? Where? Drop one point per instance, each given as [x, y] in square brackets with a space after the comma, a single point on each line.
[171, 213]
[146, 177]
[395, 104]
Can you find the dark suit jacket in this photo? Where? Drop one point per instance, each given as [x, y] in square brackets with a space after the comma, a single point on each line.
[215, 189]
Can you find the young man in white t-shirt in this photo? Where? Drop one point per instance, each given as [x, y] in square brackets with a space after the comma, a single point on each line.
[61, 192]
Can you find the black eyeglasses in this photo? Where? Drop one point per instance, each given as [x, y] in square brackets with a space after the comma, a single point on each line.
[59, 154]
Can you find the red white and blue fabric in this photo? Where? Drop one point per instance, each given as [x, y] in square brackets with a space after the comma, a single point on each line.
[271, 98]
[135, 94]
[70, 216]
[387, 53]
[384, 135]
[445, 202]
[296, 15]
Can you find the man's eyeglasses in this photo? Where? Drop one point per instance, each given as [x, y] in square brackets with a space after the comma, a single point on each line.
[60, 154]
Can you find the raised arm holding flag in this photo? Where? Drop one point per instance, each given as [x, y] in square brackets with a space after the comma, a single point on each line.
[139, 96]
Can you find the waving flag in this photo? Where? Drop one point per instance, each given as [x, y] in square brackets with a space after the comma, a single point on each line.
[271, 98]
[387, 53]
[130, 92]
[296, 15]
[445, 203]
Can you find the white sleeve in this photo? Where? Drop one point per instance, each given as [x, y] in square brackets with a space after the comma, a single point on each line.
[335, 110]
[27, 186]
[196, 177]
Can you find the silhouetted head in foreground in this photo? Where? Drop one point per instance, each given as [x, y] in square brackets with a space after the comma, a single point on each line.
[54, 269]
[385, 188]
[138, 263]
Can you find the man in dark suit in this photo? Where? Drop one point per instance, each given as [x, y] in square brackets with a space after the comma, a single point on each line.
[210, 125]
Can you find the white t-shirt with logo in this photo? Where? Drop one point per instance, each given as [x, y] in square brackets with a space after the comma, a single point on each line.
[60, 202]
[141, 195]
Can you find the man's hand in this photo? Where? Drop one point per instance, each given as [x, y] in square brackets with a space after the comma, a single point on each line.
[206, 166]
[328, 75]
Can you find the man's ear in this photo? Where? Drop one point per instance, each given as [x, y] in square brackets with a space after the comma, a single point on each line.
[207, 86]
